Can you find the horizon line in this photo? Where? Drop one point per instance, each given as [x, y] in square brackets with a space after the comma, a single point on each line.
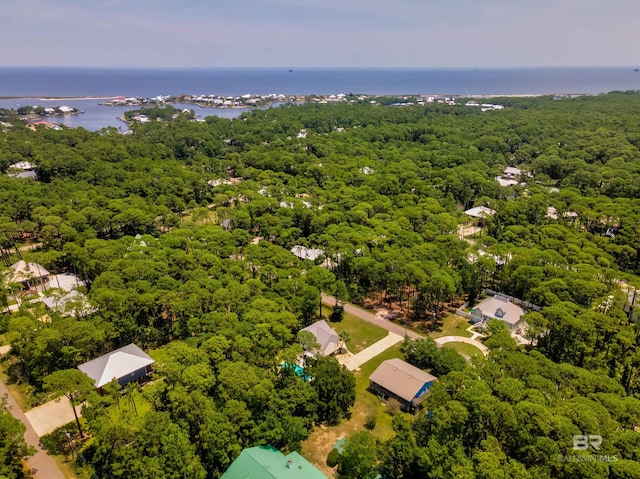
[294, 68]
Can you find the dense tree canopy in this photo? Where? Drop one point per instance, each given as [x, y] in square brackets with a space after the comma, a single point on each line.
[182, 232]
[13, 449]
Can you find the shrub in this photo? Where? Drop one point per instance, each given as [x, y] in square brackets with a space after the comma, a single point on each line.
[370, 422]
[337, 315]
[393, 406]
[56, 442]
[333, 458]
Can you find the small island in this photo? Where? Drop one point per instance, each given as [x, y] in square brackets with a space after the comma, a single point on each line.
[42, 111]
[157, 113]
[204, 101]
[249, 101]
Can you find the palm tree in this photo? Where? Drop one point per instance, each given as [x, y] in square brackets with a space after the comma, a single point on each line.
[345, 337]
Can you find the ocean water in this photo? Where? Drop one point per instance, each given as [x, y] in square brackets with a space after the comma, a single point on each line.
[21, 82]
[238, 81]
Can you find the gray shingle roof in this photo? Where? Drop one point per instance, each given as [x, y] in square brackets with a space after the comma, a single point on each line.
[500, 308]
[326, 337]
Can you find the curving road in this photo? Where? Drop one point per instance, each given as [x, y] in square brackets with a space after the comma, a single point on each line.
[45, 467]
[396, 328]
[462, 339]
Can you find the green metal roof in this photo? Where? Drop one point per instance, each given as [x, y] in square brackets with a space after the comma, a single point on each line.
[266, 462]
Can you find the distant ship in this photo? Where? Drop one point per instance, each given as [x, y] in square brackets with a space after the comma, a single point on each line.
[635, 70]
[291, 71]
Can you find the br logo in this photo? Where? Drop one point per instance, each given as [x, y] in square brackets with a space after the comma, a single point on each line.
[583, 443]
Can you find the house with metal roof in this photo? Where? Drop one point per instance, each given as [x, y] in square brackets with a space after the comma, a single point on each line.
[23, 165]
[266, 462]
[511, 171]
[73, 303]
[480, 212]
[29, 275]
[125, 364]
[395, 378]
[326, 337]
[303, 252]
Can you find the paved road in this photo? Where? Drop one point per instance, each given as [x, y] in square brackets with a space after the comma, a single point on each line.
[29, 247]
[372, 318]
[397, 329]
[45, 466]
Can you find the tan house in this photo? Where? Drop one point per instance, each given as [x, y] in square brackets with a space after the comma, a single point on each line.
[395, 378]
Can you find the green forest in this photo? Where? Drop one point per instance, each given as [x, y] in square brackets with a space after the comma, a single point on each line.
[182, 234]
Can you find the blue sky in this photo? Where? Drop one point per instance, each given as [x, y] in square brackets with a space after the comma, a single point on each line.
[312, 33]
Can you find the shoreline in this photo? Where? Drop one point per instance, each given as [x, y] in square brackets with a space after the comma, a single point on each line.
[379, 95]
[59, 98]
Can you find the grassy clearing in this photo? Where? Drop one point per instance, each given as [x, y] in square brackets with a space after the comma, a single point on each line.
[134, 402]
[66, 465]
[362, 334]
[211, 218]
[321, 441]
[464, 348]
[453, 325]
[20, 392]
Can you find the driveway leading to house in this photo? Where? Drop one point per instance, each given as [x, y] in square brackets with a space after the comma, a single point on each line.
[50, 416]
[45, 467]
[397, 329]
[461, 339]
[354, 362]
[372, 318]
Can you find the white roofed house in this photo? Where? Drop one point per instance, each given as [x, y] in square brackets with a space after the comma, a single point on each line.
[22, 169]
[23, 165]
[126, 364]
[326, 337]
[480, 212]
[303, 252]
[511, 171]
[498, 307]
[72, 303]
[23, 174]
[509, 181]
[29, 275]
